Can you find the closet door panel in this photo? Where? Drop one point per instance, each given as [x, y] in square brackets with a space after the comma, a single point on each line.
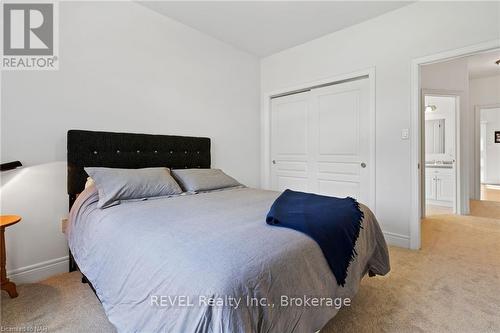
[289, 142]
[339, 137]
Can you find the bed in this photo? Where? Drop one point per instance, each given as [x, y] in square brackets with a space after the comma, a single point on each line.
[203, 262]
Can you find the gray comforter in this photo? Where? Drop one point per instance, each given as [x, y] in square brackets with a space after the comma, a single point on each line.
[209, 263]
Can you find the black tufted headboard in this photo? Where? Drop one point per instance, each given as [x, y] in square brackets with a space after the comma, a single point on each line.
[131, 151]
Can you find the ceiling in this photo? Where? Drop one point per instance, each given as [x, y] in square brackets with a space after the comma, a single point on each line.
[483, 64]
[266, 27]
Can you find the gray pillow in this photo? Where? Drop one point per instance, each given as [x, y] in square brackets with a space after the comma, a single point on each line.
[114, 185]
[195, 180]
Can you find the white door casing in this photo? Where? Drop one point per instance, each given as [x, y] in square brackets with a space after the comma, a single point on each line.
[320, 141]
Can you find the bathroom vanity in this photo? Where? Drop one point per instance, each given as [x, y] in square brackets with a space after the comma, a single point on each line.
[439, 184]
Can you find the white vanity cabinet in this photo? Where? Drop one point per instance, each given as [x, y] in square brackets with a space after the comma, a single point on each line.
[439, 186]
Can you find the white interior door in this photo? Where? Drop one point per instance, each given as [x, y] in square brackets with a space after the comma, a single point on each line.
[340, 140]
[320, 141]
[290, 142]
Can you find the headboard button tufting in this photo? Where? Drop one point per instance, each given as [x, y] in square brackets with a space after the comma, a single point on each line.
[129, 150]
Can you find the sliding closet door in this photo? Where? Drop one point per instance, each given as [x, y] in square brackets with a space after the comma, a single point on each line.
[340, 140]
[290, 151]
[320, 141]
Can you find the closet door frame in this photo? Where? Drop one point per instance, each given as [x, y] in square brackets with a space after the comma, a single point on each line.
[266, 163]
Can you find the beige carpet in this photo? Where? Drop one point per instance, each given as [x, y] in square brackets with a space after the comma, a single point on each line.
[451, 285]
[59, 304]
[482, 208]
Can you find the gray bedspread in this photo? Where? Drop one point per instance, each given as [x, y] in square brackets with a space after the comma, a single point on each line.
[202, 263]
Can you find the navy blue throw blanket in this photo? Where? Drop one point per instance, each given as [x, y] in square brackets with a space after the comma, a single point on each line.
[334, 224]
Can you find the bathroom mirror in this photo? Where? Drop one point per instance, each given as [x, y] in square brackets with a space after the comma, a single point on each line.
[435, 136]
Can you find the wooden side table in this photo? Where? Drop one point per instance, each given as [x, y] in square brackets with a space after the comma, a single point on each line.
[5, 221]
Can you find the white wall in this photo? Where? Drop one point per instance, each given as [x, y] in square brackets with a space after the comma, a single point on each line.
[36, 248]
[125, 68]
[484, 91]
[388, 43]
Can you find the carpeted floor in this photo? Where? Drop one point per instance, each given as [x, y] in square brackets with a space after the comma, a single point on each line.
[451, 285]
[482, 208]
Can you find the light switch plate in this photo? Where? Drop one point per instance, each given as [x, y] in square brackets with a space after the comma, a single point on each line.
[405, 134]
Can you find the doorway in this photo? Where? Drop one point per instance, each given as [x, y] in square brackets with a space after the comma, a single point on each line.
[489, 153]
[441, 125]
[464, 171]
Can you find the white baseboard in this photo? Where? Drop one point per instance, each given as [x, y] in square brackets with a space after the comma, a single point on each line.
[397, 239]
[495, 182]
[39, 271]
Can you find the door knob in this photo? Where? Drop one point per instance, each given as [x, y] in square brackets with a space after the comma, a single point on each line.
[363, 164]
